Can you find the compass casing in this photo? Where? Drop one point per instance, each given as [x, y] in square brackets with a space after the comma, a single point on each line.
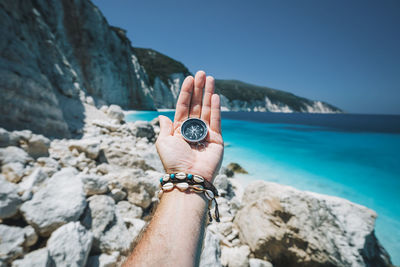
[194, 130]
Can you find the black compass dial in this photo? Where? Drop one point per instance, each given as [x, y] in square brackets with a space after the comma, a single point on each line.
[194, 130]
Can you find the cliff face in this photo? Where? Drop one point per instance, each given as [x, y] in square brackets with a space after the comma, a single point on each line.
[54, 54]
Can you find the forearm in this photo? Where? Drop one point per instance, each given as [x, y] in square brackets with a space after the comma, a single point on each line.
[174, 236]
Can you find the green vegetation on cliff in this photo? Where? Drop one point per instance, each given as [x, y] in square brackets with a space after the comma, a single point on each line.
[157, 64]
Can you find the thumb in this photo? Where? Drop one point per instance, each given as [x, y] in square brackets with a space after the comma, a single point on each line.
[166, 127]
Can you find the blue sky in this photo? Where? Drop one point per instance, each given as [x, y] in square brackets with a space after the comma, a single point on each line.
[344, 52]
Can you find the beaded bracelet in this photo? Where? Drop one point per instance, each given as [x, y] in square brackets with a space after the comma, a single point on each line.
[195, 183]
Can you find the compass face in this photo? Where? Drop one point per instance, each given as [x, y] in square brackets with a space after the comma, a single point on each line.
[194, 130]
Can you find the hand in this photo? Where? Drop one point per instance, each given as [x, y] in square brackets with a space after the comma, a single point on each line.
[176, 154]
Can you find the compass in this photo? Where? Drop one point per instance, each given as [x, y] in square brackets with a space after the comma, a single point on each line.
[194, 130]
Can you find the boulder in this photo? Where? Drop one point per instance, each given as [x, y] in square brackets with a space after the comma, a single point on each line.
[118, 194]
[9, 199]
[59, 201]
[89, 146]
[289, 227]
[94, 184]
[224, 186]
[21, 136]
[139, 187]
[49, 165]
[107, 225]
[135, 227]
[235, 256]
[13, 240]
[38, 146]
[115, 112]
[32, 182]
[211, 253]
[13, 154]
[129, 211]
[143, 129]
[30, 236]
[70, 245]
[103, 260]
[13, 171]
[36, 258]
[235, 168]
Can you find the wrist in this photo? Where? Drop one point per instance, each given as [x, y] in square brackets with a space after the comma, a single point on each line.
[188, 183]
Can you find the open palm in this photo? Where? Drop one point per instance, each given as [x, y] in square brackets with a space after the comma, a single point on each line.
[176, 154]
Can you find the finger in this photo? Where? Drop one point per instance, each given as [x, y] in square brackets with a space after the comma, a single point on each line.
[208, 92]
[183, 104]
[166, 127]
[215, 118]
[195, 105]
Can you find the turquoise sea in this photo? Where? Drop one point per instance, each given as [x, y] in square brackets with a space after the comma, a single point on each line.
[346, 155]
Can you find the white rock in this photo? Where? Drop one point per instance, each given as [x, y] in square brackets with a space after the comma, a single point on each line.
[49, 165]
[118, 194]
[59, 201]
[38, 146]
[324, 230]
[32, 182]
[104, 108]
[140, 187]
[135, 227]
[89, 100]
[36, 258]
[89, 146]
[107, 225]
[13, 154]
[259, 263]
[211, 253]
[103, 260]
[13, 171]
[115, 112]
[94, 184]
[9, 198]
[70, 245]
[12, 240]
[129, 211]
[24, 135]
[30, 236]
[142, 129]
[235, 257]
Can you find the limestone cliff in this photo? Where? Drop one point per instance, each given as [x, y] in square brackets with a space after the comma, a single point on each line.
[54, 54]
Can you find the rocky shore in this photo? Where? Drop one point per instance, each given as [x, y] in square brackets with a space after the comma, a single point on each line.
[84, 202]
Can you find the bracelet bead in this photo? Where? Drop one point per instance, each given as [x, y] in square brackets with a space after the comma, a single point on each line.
[182, 186]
